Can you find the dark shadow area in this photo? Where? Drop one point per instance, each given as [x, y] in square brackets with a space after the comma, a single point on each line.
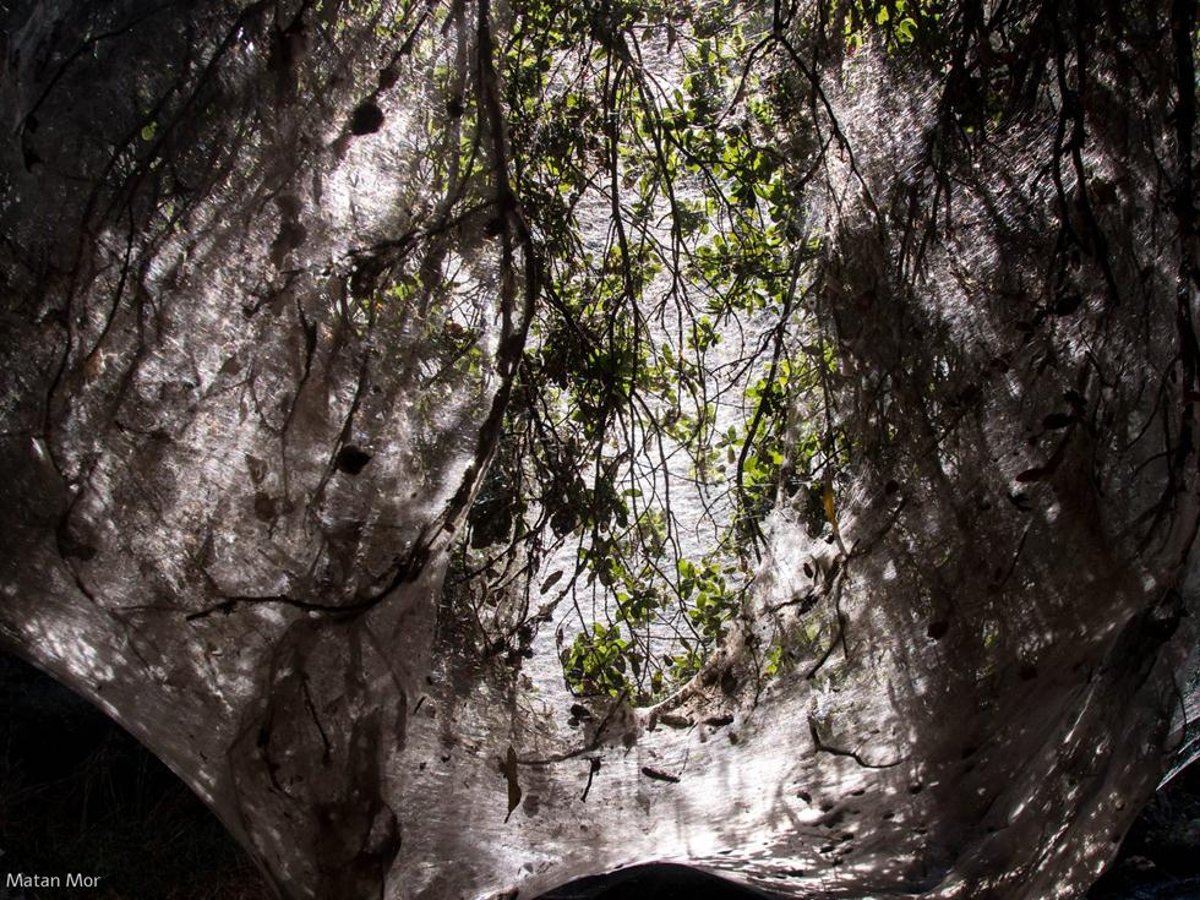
[654, 882]
[1160, 857]
[79, 795]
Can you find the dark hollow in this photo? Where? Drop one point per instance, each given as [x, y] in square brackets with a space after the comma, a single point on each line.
[658, 881]
[79, 794]
[352, 460]
[367, 118]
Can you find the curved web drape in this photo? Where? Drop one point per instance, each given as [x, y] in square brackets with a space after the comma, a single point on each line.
[359, 357]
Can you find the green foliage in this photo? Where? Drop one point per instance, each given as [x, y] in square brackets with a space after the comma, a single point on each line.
[773, 661]
[899, 24]
[710, 602]
[597, 661]
[663, 359]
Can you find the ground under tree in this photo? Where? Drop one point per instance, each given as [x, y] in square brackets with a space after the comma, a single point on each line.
[357, 357]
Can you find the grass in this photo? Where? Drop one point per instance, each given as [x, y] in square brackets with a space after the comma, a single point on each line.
[78, 794]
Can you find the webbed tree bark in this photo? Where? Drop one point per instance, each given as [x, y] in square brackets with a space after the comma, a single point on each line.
[263, 317]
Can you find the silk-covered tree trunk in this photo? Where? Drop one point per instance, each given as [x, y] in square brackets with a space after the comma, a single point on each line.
[273, 272]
